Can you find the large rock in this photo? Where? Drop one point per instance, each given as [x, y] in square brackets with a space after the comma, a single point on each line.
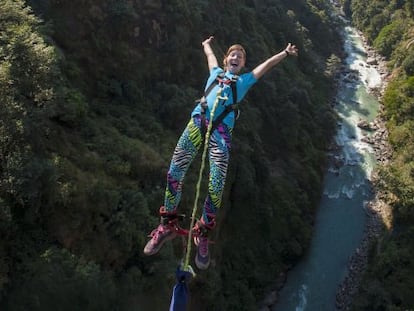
[372, 61]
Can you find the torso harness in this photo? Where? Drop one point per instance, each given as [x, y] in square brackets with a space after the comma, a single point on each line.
[227, 109]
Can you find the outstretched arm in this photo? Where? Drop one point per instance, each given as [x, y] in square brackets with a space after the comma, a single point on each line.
[264, 67]
[211, 58]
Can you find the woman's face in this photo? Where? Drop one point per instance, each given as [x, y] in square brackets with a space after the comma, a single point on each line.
[235, 61]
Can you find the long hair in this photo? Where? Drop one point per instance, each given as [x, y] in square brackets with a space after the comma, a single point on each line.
[234, 47]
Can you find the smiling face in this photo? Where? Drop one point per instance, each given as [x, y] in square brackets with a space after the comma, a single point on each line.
[235, 59]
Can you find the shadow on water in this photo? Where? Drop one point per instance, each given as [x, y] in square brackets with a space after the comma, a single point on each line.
[339, 227]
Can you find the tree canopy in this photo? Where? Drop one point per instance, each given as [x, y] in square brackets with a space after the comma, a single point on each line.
[94, 95]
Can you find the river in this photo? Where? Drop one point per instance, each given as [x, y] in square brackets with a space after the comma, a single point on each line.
[340, 222]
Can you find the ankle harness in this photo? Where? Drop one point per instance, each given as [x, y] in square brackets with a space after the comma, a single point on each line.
[171, 219]
[201, 229]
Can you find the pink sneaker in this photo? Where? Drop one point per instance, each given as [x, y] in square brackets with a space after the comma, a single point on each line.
[159, 236]
[201, 231]
[202, 258]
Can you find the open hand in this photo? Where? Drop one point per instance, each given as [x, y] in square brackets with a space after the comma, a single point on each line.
[207, 41]
[292, 49]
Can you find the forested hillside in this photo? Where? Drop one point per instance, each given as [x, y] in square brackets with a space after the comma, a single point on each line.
[93, 97]
[389, 282]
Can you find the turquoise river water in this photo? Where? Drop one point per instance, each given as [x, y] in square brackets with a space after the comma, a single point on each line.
[340, 222]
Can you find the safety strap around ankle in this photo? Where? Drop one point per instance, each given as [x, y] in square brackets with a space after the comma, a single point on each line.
[171, 219]
[201, 229]
[167, 216]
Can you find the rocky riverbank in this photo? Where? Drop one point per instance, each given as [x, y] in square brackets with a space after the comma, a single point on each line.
[377, 210]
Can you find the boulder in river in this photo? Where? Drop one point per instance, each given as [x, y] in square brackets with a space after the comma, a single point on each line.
[372, 61]
[365, 125]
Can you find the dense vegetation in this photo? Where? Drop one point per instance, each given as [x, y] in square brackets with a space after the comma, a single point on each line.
[389, 282]
[93, 97]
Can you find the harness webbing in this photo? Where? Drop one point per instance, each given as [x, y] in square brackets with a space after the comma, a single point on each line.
[220, 80]
[186, 265]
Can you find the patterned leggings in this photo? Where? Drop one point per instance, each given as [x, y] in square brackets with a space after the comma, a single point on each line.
[218, 155]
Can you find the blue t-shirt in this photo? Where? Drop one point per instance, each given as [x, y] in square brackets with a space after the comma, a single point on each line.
[243, 84]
